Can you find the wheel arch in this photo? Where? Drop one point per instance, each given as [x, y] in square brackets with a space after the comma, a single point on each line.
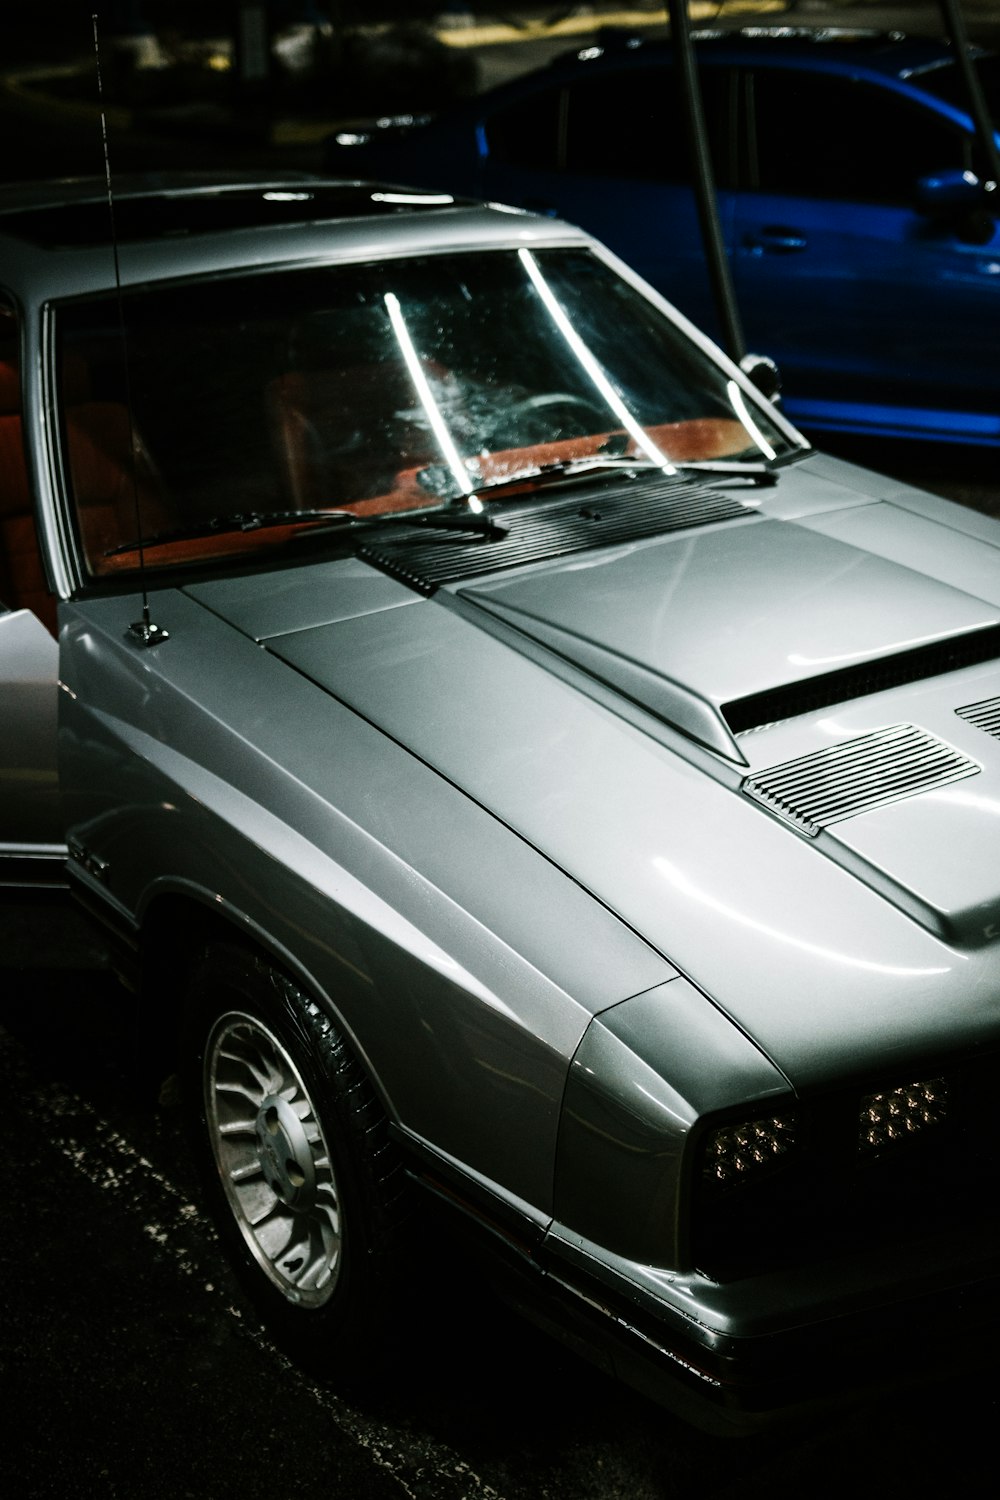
[177, 924]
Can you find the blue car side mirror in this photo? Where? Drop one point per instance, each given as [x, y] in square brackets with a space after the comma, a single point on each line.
[951, 192]
[960, 201]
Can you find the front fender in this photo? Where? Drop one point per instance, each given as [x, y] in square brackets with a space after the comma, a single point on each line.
[645, 1074]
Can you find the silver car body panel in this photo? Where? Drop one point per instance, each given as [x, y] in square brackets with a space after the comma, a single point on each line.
[30, 814]
[735, 609]
[758, 918]
[858, 921]
[245, 784]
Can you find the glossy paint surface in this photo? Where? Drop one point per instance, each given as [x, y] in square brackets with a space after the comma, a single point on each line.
[29, 782]
[816, 966]
[736, 609]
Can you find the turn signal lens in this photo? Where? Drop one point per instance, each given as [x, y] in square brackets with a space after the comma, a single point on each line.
[899, 1114]
[735, 1153]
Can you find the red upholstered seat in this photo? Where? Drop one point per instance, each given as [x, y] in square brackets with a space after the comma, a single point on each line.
[342, 435]
[106, 482]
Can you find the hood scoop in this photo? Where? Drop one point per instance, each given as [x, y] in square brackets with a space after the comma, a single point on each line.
[985, 716]
[596, 516]
[844, 780]
[791, 700]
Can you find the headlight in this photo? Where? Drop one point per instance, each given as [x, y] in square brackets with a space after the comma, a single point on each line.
[899, 1114]
[736, 1153]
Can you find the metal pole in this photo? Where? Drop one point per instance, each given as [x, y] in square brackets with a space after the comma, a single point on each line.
[252, 52]
[686, 71]
[979, 110]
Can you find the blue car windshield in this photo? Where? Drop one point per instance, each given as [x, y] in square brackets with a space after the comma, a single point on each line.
[372, 388]
[946, 82]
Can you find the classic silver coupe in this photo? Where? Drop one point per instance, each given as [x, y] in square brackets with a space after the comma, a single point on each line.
[515, 768]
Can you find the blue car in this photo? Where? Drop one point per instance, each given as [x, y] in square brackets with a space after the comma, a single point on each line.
[854, 195]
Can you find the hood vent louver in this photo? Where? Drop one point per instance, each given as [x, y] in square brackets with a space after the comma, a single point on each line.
[788, 702]
[596, 516]
[847, 779]
[984, 716]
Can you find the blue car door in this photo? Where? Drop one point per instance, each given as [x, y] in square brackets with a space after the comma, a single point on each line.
[610, 152]
[883, 318]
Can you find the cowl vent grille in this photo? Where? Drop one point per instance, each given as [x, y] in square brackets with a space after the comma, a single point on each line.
[847, 779]
[596, 516]
[985, 715]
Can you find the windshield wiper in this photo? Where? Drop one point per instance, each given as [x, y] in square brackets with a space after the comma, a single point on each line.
[730, 468]
[316, 519]
[467, 519]
[567, 470]
[531, 476]
[249, 520]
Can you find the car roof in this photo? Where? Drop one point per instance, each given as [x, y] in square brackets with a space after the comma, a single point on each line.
[174, 225]
[76, 212]
[893, 54]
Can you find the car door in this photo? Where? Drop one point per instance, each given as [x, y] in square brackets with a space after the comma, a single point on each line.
[31, 849]
[609, 151]
[880, 317]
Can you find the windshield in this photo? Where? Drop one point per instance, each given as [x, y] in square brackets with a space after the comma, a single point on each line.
[375, 389]
[947, 82]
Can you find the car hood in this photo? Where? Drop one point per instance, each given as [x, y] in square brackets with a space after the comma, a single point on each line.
[608, 709]
[702, 630]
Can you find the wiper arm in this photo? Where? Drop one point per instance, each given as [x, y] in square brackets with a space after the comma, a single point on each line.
[250, 520]
[317, 519]
[466, 519]
[533, 475]
[753, 473]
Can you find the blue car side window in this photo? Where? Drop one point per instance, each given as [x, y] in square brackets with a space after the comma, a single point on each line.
[626, 124]
[843, 138]
[529, 132]
[631, 123]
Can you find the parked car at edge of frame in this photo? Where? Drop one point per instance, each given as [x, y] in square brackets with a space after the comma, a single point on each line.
[854, 200]
[534, 778]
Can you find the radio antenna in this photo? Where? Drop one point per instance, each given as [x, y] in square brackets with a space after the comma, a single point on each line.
[143, 631]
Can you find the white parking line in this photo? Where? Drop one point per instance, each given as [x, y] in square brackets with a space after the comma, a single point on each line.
[423, 1467]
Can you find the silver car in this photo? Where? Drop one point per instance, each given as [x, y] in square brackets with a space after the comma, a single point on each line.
[518, 771]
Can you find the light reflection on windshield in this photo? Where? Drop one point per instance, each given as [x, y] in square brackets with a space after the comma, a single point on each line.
[752, 429]
[422, 386]
[376, 388]
[592, 369]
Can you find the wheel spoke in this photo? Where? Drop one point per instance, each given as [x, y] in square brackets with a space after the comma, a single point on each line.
[257, 1201]
[248, 1170]
[255, 1066]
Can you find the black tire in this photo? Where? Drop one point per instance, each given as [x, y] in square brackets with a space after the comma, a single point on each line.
[300, 1176]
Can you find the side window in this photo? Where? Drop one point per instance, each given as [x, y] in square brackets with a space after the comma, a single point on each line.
[529, 133]
[822, 137]
[631, 124]
[627, 124]
[22, 580]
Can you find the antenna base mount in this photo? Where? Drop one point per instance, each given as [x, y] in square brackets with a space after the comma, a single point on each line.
[145, 633]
